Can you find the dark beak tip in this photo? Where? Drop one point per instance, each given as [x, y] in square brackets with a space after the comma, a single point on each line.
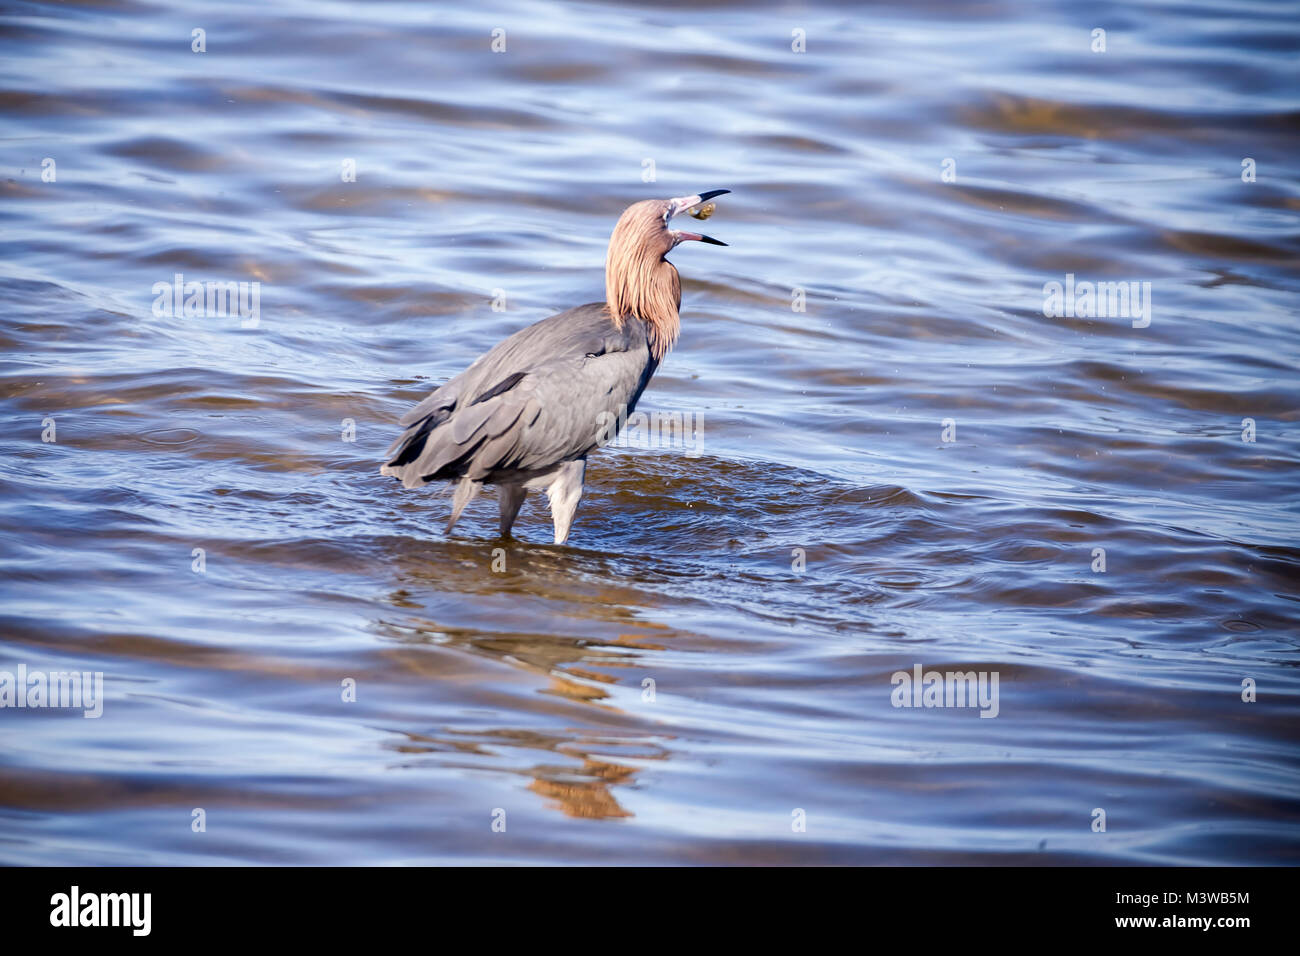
[705, 197]
[712, 241]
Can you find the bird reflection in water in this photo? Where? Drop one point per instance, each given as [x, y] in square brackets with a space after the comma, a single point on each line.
[569, 666]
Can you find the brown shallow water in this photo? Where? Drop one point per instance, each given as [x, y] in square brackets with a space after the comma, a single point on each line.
[487, 177]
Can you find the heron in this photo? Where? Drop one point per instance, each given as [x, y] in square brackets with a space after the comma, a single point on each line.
[528, 412]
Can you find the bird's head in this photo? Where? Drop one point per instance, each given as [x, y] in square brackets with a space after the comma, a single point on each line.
[639, 281]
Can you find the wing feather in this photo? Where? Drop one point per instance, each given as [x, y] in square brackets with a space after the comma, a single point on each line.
[540, 398]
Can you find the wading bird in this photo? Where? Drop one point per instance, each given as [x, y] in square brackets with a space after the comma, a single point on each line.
[527, 413]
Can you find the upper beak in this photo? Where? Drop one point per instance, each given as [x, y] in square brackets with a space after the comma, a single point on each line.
[683, 203]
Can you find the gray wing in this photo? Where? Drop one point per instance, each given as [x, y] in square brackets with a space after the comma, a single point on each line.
[545, 395]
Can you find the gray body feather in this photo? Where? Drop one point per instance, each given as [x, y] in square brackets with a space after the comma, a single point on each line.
[539, 399]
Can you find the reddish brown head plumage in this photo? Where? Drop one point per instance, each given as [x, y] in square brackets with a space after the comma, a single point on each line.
[639, 281]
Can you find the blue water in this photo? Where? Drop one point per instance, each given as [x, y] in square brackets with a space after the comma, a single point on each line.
[918, 468]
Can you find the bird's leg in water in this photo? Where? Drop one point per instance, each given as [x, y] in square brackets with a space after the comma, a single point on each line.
[465, 493]
[512, 497]
[564, 493]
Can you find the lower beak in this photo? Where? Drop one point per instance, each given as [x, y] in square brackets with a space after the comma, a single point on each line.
[683, 236]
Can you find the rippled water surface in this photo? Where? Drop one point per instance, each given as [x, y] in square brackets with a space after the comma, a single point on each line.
[202, 532]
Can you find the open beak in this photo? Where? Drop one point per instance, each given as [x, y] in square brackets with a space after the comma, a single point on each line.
[682, 203]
